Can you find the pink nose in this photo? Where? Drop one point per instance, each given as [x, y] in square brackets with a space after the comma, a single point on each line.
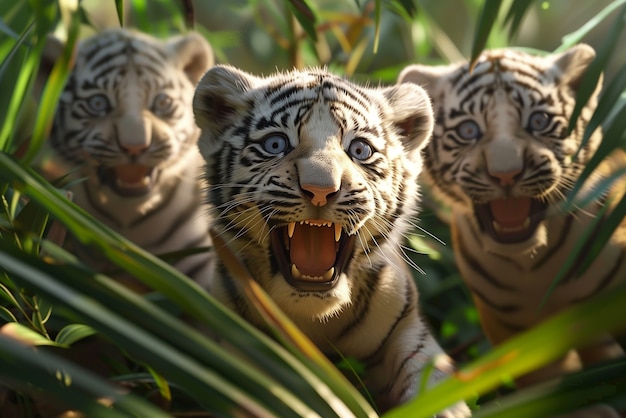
[319, 195]
[506, 178]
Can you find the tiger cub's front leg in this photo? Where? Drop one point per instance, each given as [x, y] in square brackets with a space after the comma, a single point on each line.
[399, 375]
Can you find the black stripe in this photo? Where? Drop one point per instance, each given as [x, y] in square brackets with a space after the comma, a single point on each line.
[361, 300]
[508, 308]
[409, 307]
[557, 245]
[608, 278]
[478, 268]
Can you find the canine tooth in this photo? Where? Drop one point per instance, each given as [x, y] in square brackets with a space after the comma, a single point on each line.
[526, 223]
[291, 226]
[295, 273]
[337, 232]
[329, 274]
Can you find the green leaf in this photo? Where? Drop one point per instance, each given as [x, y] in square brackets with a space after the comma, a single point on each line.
[305, 16]
[597, 66]
[486, 20]
[574, 327]
[26, 335]
[575, 37]
[516, 13]
[72, 333]
[52, 90]
[79, 387]
[119, 7]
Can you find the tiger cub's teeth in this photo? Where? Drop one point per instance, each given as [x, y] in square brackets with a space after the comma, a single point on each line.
[296, 274]
[291, 226]
[337, 232]
[499, 228]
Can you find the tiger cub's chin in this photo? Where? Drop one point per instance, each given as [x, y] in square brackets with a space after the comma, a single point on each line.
[311, 305]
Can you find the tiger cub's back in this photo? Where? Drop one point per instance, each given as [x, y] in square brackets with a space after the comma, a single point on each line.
[125, 126]
[502, 158]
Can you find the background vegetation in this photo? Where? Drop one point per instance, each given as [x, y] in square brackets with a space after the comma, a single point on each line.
[50, 300]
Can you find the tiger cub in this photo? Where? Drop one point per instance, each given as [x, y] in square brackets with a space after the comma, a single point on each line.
[125, 126]
[313, 184]
[502, 159]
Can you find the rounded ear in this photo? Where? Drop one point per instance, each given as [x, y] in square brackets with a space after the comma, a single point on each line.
[412, 113]
[52, 51]
[428, 77]
[220, 96]
[193, 54]
[573, 64]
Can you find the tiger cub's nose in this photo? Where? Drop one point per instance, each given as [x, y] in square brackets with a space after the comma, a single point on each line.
[319, 195]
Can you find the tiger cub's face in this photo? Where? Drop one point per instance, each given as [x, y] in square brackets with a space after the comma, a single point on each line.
[311, 176]
[500, 151]
[125, 115]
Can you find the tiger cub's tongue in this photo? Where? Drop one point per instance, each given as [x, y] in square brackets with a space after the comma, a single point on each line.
[510, 212]
[312, 249]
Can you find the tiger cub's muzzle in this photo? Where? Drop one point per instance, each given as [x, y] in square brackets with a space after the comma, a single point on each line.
[311, 254]
[511, 220]
[129, 180]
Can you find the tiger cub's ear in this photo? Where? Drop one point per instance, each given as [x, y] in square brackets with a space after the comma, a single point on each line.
[220, 97]
[193, 54]
[573, 64]
[412, 112]
[430, 78]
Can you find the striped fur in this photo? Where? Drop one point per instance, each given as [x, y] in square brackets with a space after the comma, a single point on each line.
[314, 151]
[501, 156]
[125, 124]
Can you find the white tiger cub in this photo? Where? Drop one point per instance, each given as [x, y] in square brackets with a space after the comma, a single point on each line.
[125, 122]
[502, 158]
[313, 184]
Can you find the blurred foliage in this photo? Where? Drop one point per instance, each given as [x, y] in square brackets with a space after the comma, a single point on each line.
[50, 300]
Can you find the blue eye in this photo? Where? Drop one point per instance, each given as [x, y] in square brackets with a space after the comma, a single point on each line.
[360, 149]
[468, 130]
[98, 104]
[538, 121]
[162, 103]
[275, 144]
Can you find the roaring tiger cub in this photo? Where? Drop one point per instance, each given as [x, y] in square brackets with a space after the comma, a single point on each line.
[125, 125]
[502, 158]
[313, 184]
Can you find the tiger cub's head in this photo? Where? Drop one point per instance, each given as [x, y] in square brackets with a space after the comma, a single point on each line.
[125, 115]
[500, 150]
[313, 177]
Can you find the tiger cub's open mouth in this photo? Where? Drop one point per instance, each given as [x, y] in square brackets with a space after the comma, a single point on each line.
[311, 254]
[129, 180]
[511, 220]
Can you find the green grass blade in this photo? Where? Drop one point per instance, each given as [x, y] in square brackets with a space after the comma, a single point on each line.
[516, 13]
[488, 15]
[52, 90]
[376, 24]
[139, 342]
[18, 360]
[162, 277]
[119, 8]
[599, 383]
[575, 37]
[305, 16]
[597, 66]
[525, 352]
